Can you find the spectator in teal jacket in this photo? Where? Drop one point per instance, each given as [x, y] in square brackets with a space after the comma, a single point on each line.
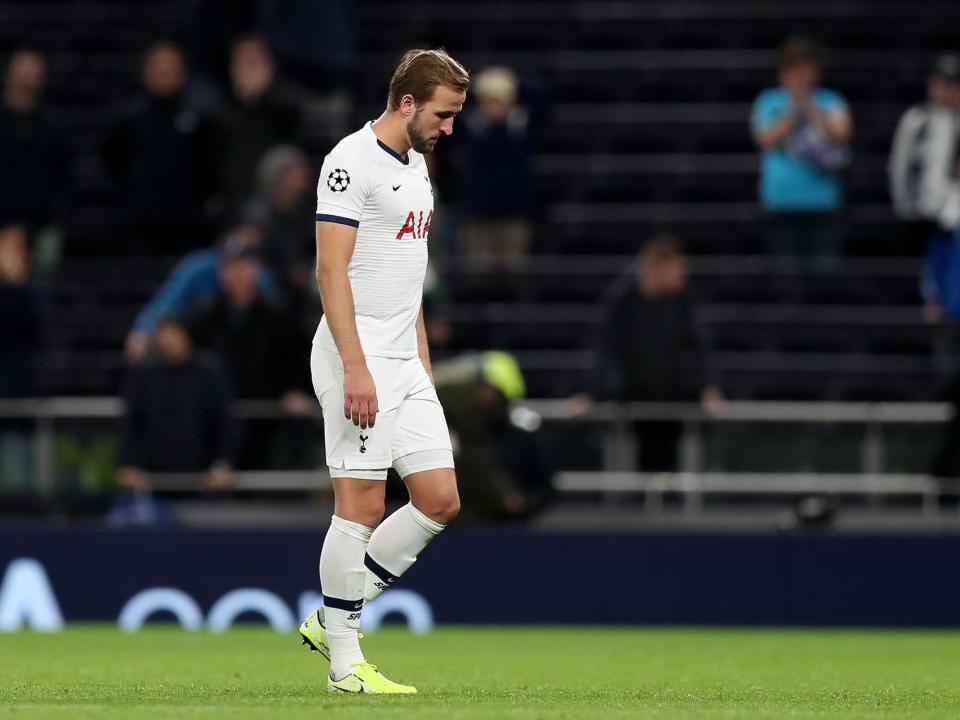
[803, 132]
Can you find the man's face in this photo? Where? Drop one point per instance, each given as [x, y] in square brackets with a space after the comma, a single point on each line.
[14, 255]
[238, 278]
[944, 92]
[800, 78]
[495, 109]
[251, 69]
[434, 119]
[663, 277]
[292, 187]
[164, 73]
[27, 72]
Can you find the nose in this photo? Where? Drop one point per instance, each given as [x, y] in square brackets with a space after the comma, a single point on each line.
[446, 127]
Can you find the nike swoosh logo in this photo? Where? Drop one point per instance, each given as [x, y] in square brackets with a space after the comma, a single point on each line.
[396, 187]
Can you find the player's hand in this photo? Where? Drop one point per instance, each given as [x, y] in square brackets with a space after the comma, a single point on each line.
[360, 397]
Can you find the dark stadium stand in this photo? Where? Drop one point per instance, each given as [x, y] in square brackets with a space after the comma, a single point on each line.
[649, 132]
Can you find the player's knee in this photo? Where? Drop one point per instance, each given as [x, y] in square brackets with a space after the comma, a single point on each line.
[372, 512]
[443, 508]
[451, 509]
[367, 510]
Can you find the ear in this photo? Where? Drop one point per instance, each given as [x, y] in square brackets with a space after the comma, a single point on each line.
[408, 106]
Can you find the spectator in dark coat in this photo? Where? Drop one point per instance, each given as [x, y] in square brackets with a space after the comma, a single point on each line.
[259, 114]
[178, 415]
[35, 170]
[499, 137]
[283, 211]
[650, 349]
[262, 349]
[19, 334]
[158, 150]
[19, 313]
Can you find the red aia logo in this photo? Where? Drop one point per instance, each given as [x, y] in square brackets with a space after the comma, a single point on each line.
[416, 225]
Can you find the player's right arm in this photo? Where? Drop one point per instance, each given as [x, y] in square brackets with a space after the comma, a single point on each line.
[335, 243]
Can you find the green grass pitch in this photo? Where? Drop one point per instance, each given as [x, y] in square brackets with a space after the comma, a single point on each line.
[523, 673]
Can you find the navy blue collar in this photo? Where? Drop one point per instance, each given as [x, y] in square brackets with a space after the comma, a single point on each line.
[394, 153]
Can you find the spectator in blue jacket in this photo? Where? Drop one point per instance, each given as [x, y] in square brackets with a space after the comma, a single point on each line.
[940, 287]
[803, 131]
[194, 280]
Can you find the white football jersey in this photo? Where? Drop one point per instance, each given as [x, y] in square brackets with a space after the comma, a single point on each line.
[389, 200]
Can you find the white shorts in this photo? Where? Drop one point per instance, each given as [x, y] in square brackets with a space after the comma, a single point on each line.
[410, 432]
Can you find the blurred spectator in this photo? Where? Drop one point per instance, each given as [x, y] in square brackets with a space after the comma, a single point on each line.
[259, 342]
[436, 313]
[803, 131]
[19, 330]
[924, 163]
[940, 288]
[650, 349]
[499, 137]
[313, 41]
[178, 415]
[946, 459]
[35, 170]
[158, 150]
[19, 313]
[502, 470]
[259, 115]
[283, 211]
[194, 279]
[208, 29]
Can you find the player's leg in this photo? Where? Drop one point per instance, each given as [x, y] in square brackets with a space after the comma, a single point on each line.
[358, 509]
[357, 461]
[399, 539]
[424, 460]
[334, 628]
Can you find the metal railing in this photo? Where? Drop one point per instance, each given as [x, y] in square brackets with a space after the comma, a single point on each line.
[619, 448]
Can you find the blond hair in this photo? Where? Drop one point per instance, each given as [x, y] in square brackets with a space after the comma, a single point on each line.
[421, 71]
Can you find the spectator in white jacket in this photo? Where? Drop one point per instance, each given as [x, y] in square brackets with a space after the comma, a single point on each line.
[925, 159]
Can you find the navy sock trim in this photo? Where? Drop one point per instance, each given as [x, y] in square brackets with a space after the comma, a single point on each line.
[379, 570]
[348, 605]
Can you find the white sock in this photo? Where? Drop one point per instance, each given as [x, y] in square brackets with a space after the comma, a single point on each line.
[342, 578]
[394, 547]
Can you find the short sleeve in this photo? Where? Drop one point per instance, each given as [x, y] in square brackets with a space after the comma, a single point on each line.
[830, 102]
[342, 189]
[766, 110]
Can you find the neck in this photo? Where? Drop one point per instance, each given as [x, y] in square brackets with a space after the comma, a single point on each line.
[21, 101]
[390, 131]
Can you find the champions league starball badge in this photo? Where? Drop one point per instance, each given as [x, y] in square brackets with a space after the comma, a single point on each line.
[338, 180]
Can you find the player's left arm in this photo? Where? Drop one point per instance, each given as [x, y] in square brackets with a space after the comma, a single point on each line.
[422, 348]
